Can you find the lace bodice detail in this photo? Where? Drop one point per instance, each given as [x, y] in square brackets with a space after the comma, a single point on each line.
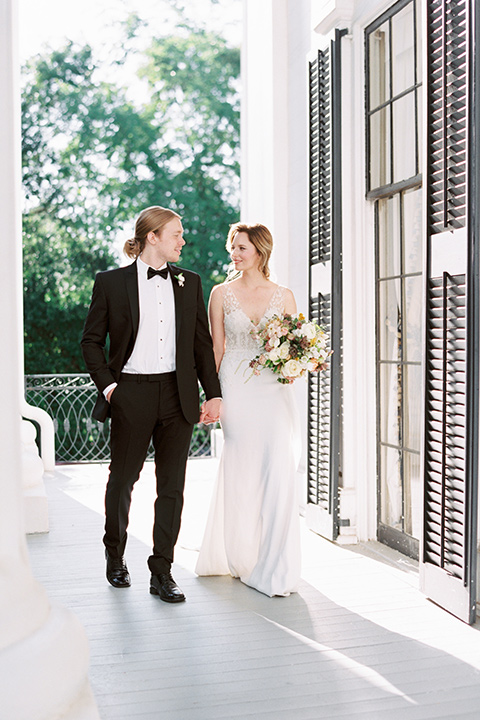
[238, 325]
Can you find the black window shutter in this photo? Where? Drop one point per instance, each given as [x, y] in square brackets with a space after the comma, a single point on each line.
[448, 558]
[320, 158]
[325, 244]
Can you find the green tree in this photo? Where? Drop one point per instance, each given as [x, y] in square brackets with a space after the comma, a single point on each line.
[193, 81]
[80, 169]
[92, 159]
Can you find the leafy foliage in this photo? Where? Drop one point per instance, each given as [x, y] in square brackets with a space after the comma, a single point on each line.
[93, 159]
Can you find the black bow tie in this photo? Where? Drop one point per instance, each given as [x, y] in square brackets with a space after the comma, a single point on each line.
[151, 273]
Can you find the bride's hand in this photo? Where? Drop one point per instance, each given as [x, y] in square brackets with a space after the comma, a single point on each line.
[210, 411]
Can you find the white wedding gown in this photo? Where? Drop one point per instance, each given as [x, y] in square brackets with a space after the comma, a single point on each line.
[253, 527]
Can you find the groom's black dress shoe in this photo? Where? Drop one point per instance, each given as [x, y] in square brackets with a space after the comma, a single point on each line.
[117, 571]
[166, 588]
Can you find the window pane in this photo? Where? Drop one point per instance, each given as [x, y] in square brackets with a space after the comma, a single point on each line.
[418, 4]
[420, 129]
[389, 237]
[413, 295]
[403, 57]
[380, 172]
[412, 232]
[390, 403]
[412, 409]
[379, 66]
[391, 488]
[413, 494]
[404, 149]
[390, 320]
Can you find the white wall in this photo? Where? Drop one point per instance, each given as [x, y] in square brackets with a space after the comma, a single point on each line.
[280, 37]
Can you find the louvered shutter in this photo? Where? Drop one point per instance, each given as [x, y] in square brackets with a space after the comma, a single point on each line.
[324, 391]
[448, 557]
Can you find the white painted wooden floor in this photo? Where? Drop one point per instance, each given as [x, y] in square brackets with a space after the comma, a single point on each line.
[358, 641]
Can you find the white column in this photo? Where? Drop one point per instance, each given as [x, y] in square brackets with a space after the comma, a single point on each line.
[43, 649]
[274, 141]
[264, 122]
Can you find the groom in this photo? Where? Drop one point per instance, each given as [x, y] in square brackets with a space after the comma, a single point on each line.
[159, 347]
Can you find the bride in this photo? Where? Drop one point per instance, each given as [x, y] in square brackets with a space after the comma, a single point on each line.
[252, 530]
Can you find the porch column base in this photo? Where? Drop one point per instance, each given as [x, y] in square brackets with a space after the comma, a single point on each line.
[44, 675]
[35, 504]
[347, 531]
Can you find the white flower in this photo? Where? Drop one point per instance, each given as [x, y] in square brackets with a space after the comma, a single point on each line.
[181, 279]
[273, 355]
[284, 350]
[309, 330]
[292, 369]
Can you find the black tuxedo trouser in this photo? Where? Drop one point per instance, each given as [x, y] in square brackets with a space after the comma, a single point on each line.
[140, 411]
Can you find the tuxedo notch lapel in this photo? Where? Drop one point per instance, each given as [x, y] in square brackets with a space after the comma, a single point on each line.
[178, 294]
[131, 281]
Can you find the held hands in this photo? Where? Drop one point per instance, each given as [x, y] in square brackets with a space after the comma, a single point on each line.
[210, 411]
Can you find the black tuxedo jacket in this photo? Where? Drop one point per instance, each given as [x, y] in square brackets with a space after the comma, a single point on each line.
[114, 312]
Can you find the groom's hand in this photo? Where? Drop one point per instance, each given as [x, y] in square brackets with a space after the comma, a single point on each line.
[210, 411]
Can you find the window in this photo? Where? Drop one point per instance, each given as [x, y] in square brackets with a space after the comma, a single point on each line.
[393, 116]
[393, 101]
[399, 359]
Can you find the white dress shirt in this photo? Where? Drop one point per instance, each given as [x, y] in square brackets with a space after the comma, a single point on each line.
[154, 349]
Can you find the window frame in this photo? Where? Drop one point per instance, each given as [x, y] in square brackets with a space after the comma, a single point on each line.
[391, 187]
[391, 536]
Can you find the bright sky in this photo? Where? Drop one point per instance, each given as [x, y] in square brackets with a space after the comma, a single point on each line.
[49, 22]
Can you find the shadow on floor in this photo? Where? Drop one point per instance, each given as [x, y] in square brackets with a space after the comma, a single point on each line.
[229, 651]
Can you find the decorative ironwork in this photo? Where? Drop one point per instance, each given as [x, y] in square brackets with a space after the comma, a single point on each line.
[69, 400]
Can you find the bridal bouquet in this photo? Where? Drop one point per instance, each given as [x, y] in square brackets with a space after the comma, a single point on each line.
[291, 346]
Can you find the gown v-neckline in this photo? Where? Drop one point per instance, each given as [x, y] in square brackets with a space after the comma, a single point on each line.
[255, 325]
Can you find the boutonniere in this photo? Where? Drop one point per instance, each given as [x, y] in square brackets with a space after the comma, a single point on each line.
[180, 279]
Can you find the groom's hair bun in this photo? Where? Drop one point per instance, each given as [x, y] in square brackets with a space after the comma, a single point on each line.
[151, 219]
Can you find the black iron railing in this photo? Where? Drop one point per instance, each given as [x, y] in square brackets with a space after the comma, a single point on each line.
[69, 400]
